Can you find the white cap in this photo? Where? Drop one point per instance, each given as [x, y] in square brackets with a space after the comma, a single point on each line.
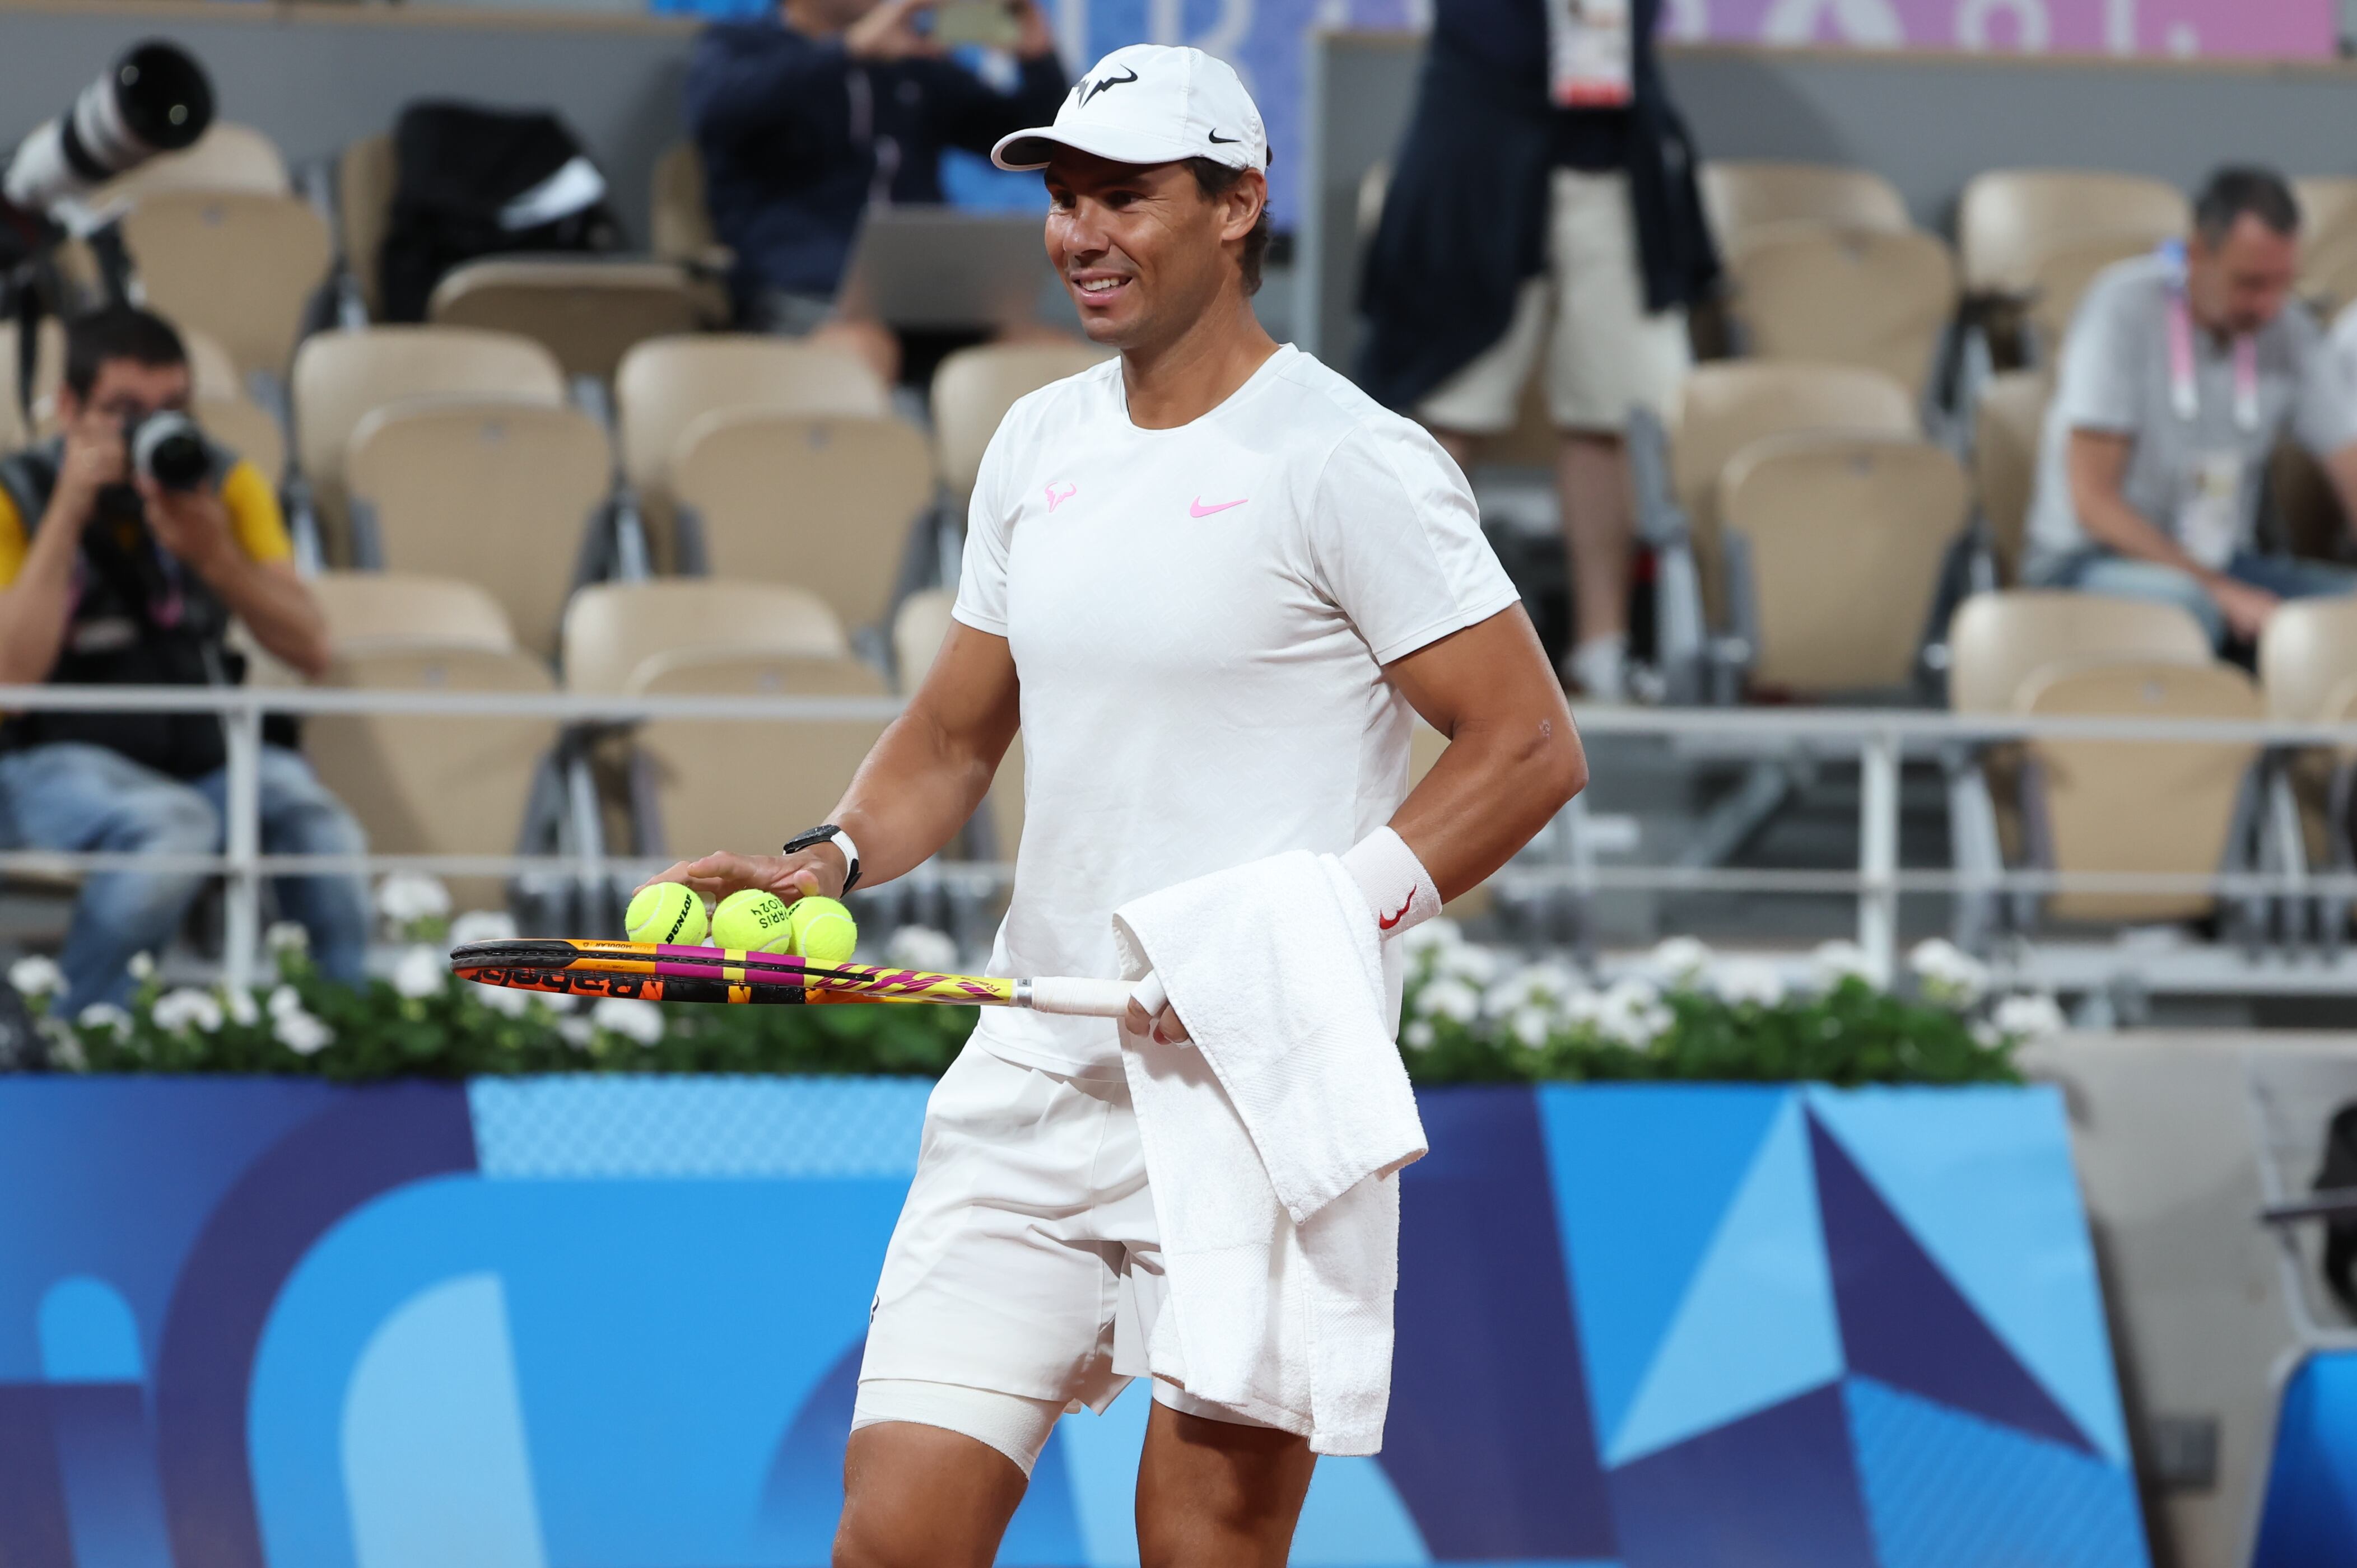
[1149, 103]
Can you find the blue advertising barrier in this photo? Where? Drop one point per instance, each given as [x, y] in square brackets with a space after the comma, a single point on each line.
[616, 1323]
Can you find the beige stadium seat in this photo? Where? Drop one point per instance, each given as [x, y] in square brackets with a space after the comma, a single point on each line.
[1846, 536]
[2009, 423]
[779, 770]
[976, 387]
[1742, 195]
[919, 626]
[666, 385]
[48, 370]
[825, 503]
[1846, 296]
[1724, 407]
[247, 429]
[342, 377]
[588, 313]
[212, 369]
[2307, 655]
[369, 611]
[2327, 203]
[2059, 280]
[681, 227]
[365, 175]
[2139, 806]
[435, 784]
[614, 630]
[503, 493]
[227, 157]
[241, 266]
[2009, 219]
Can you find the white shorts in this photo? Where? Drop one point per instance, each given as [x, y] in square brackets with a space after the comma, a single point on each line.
[1604, 354]
[1026, 1261]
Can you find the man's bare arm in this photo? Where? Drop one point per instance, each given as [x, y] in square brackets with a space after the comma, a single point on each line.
[1514, 758]
[2097, 462]
[924, 777]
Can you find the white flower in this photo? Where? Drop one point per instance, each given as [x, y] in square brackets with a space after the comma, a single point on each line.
[142, 966]
[36, 977]
[1466, 960]
[242, 1010]
[1531, 1026]
[482, 926]
[1418, 1036]
[1738, 981]
[407, 895]
[421, 972]
[177, 1010]
[65, 1048]
[558, 1001]
[300, 1031]
[921, 947]
[2028, 1017]
[630, 1018]
[283, 1000]
[1448, 998]
[1438, 932]
[1631, 1014]
[1837, 960]
[286, 935]
[1949, 974]
[503, 999]
[105, 1015]
[1549, 983]
[577, 1032]
[1678, 962]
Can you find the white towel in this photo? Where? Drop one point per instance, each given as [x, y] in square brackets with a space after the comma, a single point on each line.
[1273, 1142]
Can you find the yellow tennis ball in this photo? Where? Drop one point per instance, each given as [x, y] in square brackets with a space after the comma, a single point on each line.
[823, 930]
[665, 912]
[753, 921]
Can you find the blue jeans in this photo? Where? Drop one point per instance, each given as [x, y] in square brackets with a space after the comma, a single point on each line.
[2123, 577]
[74, 796]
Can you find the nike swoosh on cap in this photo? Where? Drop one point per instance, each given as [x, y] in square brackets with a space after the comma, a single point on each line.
[1225, 141]
[1199, 509]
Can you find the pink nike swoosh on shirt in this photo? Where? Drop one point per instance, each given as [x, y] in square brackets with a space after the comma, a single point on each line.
[1199, 509]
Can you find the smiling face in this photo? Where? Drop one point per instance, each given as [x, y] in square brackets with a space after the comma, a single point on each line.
[1143, 251]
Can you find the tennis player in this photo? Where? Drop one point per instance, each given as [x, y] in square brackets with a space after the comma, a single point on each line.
[1212, 584]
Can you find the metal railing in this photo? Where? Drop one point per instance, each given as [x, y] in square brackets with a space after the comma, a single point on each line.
[1880, 740]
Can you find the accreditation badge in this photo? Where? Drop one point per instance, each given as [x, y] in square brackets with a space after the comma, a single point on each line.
[1591, 53]
[2210, 520]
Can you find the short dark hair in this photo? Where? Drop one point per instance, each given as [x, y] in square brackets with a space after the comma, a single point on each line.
[2239, 189]
[118, 332]
[1215, 179]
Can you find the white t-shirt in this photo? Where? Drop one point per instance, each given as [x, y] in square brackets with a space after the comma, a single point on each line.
[1200, 618]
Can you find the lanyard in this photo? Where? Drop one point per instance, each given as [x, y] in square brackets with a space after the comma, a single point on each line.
[2183, 390]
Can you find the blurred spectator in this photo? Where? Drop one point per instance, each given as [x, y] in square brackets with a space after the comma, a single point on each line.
[107, 579]
[1544, 204]
[805, 119]
[2180, 372]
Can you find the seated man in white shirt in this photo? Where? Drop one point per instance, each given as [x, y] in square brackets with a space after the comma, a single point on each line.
[2180, 372]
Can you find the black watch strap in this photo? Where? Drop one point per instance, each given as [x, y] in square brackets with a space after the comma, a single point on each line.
[827, 833]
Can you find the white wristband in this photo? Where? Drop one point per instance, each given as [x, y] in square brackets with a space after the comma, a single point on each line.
[1400, 892]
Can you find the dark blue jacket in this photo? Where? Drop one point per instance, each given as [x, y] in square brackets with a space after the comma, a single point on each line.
[797, 138]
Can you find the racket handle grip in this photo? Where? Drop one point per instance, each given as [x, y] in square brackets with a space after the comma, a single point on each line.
[1082, 998]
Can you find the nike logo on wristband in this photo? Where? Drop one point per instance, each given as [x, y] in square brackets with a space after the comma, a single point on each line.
[1199, 509]
[1385, 925]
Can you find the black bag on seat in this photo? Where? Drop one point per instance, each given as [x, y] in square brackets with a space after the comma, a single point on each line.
[2340, 1173]
[478, 182]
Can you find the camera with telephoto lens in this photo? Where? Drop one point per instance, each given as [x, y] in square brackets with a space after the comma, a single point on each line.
[154, 99]
[170, 449]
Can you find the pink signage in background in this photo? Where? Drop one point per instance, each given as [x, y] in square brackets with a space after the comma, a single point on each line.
[2280, 29]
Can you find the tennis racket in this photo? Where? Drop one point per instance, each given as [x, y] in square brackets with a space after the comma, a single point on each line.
[660, 972]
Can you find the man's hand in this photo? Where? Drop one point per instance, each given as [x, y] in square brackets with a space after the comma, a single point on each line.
[192, 524]
[2247, 609]
[1150, 1014]
[819, 869]
[889, 32]
[95, 458]
[1039, 39]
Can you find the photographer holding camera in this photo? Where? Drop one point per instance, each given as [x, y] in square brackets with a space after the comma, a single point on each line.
[127, 546]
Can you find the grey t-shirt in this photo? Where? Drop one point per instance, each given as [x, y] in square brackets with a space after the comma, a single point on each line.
[2115, 378]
